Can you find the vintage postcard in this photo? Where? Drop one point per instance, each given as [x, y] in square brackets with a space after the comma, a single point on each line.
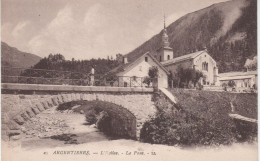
[147, 80]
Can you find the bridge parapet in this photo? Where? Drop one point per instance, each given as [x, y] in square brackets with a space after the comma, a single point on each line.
[68, 88]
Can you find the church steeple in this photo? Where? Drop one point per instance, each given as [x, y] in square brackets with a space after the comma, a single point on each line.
[165, 41]
[164, 52]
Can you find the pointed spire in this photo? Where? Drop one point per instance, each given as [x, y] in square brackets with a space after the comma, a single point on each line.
[164, 21]
[165, 42]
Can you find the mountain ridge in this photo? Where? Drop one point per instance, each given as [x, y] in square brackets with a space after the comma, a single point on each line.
[12, 57]
[227, 29]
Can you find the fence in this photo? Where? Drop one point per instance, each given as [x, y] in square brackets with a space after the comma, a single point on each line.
[54, 77]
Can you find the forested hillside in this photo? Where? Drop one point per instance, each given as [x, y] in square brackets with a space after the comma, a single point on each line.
[11, 56]
[58, 62]
[227, 29]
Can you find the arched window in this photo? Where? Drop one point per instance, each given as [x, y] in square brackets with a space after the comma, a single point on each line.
[168, 57]
[160, 58]
[205, 66]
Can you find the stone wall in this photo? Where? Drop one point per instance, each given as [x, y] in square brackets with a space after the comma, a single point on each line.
[16, 109]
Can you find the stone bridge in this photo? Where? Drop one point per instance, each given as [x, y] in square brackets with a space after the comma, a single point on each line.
[20, 102]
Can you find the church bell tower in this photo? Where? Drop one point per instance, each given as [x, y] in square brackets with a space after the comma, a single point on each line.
[165, 52]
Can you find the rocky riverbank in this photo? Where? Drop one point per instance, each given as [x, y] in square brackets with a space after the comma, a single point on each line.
[53, 128]
[49, 123]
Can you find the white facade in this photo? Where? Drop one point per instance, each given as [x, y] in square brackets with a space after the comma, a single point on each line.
[164, 54]
[134, 74]
[200, 61]
[207, 65]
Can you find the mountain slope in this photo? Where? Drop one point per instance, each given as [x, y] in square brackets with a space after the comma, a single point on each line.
[10, 56]
[227, 29]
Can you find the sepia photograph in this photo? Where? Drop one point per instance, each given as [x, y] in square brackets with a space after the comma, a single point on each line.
[132, 80]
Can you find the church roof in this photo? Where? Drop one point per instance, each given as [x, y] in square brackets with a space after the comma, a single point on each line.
[182, 58]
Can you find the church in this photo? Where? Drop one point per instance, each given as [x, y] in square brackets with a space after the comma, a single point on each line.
[199, 60]
[132, 72]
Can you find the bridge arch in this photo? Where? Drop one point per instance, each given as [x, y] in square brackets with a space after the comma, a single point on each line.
[114, 120]
[136, 108]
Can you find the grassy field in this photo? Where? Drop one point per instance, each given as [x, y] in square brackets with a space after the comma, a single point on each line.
[212, 102]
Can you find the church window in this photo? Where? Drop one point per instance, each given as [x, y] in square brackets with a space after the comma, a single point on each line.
[146, 59]
[168, 57]
[205, 66]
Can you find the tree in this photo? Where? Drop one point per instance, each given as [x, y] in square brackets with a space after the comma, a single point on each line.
[197, 76]
[119, 58]
[183, 77]
[58, 62]
[231, 83]
[153, 72]
[152, 75]
[251, 64]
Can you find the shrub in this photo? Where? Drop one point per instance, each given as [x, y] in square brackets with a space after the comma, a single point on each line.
[198, 119]
[199, 86]
[183, 77]
[147, 80]
[190, 85]
[245, 131]
[104, 122]
[231, 83]
[91, 116]
[224, 85]
[186, 129]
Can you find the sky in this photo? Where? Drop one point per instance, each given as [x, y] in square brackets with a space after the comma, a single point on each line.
[85, 29]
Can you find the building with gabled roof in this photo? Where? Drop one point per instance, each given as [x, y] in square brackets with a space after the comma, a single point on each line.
[132, 74]
[199, 60]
